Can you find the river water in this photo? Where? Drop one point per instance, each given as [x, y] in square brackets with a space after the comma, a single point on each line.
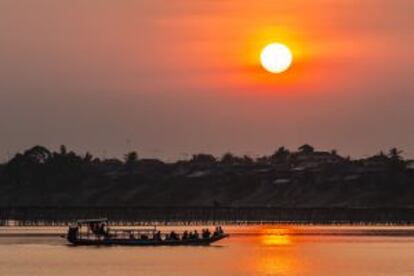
[250, 250]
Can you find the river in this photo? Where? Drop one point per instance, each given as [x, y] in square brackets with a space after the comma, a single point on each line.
[250, 250]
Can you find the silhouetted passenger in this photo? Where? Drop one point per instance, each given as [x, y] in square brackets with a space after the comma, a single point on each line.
[206, 233]
[173, 236]
[185, 235]
[218, 231]
[196, 235]
[73, 233]
[157, 236]
[103, 230]
[215, 233]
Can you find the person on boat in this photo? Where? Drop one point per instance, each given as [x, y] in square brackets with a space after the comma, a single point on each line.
[185, 235]
[73, 233]
[157, 236]
[173, 236]
[206, 233]
[93, 227]
[218, 231]
[99, 229]
[196, 235]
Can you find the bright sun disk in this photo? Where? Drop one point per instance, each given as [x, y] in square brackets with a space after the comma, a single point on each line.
[276, 58]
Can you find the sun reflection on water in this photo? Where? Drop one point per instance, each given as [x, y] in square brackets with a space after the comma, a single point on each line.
[275, 236]
[276, 256]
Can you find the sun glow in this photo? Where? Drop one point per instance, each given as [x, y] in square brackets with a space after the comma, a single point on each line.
[276, 58]
[276, 236]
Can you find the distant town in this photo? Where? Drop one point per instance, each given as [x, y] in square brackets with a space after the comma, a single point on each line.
[303, 178]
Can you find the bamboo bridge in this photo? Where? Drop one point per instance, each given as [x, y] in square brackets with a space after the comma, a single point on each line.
[190, 215]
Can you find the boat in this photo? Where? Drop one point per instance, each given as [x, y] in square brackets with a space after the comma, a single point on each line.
[98, 233]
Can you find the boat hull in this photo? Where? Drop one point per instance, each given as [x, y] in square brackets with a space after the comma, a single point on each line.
[138, 242]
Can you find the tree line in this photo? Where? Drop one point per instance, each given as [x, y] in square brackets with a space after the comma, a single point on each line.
[39, 176]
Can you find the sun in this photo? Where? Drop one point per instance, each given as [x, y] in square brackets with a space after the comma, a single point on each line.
[276, 58]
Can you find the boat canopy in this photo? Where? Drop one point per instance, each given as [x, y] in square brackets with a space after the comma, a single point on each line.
[99, 222]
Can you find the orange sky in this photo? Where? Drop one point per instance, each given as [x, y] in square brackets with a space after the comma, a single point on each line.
[171, 78]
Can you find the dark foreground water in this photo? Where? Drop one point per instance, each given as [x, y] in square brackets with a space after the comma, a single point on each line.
[253, 250]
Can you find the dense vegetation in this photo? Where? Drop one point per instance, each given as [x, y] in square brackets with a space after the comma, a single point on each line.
[304, 178]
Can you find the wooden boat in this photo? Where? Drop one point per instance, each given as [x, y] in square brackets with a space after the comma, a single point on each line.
[99, 234]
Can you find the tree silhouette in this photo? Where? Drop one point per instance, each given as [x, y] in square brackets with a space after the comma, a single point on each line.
[63, 150]
[37, 154]
[248, 160]
[88, 157]
[231, 159]
[131, 158]
[395, 154]
[40, 177]
[306, 148]
[396, 161]
[281, 155]
[203, 158]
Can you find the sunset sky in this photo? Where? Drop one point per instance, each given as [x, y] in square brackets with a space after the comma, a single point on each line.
[170, 78]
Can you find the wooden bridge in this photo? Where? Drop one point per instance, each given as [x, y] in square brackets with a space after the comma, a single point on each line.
[141, 215]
